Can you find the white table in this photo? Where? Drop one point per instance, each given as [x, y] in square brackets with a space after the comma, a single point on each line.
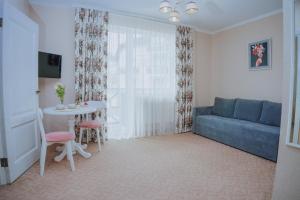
[71, 113]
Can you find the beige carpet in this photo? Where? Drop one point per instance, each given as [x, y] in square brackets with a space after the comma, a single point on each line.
[183, 167]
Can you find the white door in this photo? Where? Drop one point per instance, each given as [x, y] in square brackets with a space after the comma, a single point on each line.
[19, 52]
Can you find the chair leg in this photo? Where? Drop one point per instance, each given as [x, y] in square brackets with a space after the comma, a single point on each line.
[98, 139]
[70, 155]
[43, 158]
[80, 135]
[88, 131]
[106, 136]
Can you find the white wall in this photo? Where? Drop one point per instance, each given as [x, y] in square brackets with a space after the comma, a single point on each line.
[287, 178]
[56, 25]
[230, 74]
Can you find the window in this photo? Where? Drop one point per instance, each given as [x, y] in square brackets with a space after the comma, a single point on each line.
[141, 77]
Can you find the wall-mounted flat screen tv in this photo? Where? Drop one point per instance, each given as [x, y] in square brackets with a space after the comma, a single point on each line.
[49, 65]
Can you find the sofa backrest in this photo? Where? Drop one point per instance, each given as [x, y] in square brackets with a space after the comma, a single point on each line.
[223, 107]
[271, 113]
[249, 110]
[264, 112]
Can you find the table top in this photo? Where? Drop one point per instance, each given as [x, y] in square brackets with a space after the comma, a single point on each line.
[76, 111]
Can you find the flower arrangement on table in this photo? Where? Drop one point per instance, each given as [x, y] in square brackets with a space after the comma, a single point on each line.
[60, 92]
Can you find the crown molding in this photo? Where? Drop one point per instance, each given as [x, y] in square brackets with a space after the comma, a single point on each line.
[47, 3]
[129, 14]
[260, 17]
[116, 12]
[200, 30]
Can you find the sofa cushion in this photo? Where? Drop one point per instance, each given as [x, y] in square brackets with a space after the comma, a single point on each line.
[256, 138]
[249, 110]
[271, 113]
[223, 107]
[225, 124]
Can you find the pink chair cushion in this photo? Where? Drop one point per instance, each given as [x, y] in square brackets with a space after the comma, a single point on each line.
[59, 136]
[90, 124]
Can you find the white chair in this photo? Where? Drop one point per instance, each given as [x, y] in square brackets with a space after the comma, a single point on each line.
[48, 139]
[92, 124]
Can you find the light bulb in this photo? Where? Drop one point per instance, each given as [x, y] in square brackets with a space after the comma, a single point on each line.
[191, 8]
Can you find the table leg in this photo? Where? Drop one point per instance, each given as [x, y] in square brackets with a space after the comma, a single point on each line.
[61, 155]
[76, 146]
[60, 148]
[80, 150]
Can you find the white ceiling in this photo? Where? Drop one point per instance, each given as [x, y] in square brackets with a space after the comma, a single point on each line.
[213, 15]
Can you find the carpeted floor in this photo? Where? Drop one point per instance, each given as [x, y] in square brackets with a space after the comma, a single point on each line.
[176, 167]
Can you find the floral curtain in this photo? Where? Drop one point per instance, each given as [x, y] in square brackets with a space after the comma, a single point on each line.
[184, 72]
[91, 33]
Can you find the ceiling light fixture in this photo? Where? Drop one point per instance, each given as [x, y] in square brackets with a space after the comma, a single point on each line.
[174, 16]
[165, 6]
[191, 7]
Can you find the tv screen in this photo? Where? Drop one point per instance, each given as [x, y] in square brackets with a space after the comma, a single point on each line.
[49, 65]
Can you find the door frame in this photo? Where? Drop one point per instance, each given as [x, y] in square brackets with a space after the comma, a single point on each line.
[3, 171]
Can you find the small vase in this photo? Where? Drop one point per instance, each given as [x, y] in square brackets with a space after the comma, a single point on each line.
[60, 107]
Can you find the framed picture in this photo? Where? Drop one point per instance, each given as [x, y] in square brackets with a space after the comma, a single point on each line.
[260, 54]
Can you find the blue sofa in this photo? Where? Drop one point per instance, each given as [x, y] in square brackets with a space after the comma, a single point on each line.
[250, 125]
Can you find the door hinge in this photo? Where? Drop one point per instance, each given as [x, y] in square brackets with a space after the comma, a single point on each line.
[3, 162]
[1, 22]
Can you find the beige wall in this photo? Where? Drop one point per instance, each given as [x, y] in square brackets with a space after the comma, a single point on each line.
[230, 74]
[202, 69]
[56, 26]
[287, 178]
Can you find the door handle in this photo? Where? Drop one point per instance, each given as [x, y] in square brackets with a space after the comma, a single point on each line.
[37, 92]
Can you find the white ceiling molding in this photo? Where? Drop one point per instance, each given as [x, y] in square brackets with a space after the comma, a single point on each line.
[100, 5]
[48, 3]
[128, 14]
[248, 21]
[117, 12]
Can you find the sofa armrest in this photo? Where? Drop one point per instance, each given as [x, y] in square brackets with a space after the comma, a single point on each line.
[207, 110]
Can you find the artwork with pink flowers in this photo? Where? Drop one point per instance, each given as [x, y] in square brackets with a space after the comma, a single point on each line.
[260, 54]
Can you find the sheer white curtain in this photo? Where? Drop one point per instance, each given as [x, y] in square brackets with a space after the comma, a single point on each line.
[141, 78]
